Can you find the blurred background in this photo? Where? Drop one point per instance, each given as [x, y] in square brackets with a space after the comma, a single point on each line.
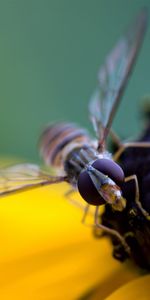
[50, 52]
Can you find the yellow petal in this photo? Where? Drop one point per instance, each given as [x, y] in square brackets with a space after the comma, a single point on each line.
[46, 253]
[136, 290]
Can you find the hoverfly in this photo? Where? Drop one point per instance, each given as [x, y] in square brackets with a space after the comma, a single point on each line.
[87, 166]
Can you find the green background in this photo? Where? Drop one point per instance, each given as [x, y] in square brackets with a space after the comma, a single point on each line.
[50, 52]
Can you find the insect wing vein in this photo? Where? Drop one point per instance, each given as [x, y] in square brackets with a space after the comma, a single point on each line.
[24, 177]
[113, 76]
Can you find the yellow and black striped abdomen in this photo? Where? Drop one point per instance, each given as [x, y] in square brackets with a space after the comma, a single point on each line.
[59, 140]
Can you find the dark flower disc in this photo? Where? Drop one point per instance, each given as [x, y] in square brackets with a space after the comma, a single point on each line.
[131, 223]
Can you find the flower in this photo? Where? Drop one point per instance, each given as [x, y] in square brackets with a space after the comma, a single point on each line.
[46, 253]
[131, 222]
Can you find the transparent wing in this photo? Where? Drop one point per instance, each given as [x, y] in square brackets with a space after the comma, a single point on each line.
[113, 76]
[22, 177]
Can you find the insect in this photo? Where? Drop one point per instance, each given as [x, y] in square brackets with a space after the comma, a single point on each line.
[87, 165]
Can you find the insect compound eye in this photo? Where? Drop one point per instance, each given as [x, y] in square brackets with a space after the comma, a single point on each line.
[87, 189]
[109, 168]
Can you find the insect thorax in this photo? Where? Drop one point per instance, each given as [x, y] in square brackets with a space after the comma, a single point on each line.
[78, 160]
[66, 147]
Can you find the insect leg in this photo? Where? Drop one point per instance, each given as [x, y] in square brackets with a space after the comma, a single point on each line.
[115, 138]
[137, 195]
[111, 231]
[76, 203]
[80, 206]
[124, 146]
[86, 209]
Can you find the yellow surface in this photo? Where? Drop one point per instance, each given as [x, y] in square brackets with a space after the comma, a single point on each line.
[46, 253]
[137, 289]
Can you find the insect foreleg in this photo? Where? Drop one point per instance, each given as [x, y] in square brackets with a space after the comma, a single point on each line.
[86, 209]
[76, 203]
[137, 195]
[110, 231]
[124, 146]
[81, 206]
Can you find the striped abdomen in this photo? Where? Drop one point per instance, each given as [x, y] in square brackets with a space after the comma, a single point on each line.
[59, 140]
